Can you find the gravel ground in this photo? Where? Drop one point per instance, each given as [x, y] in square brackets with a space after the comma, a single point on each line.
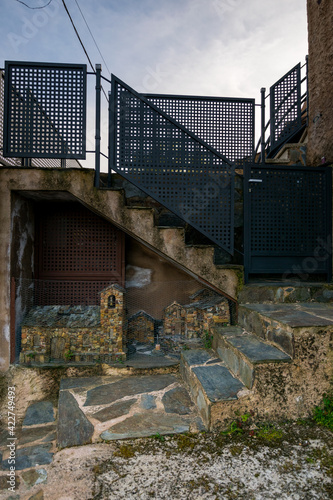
[282, 462]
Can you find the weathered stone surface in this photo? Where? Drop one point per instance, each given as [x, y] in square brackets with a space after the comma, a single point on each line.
[127, 387]
[39, 413]
[320, 121]
[35, 434]
[82, 382]
[177, 400]
[74, 429]
[147, 402]
[144, 425]
[114, 411]
[217, 382]
[34, 476]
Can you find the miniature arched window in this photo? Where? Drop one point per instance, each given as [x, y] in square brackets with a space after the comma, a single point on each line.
[111, 301]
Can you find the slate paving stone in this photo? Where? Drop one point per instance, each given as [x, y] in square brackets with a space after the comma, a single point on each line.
[114, 411]
[177, 400]
[144, 425]
[37, 496]
[196, 357]
[218, 383]
[4, 482]
[34, 476]
[256, 350]
[83, 382]
[297, 315]
[30, 457]
[110, 393]
[35, 434]
[74, 429]
[147, 402]
[39, 413]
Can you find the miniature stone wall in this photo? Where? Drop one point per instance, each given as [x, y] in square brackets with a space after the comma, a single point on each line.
[141, 328]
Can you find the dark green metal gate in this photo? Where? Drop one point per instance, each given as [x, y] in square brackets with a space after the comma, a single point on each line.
[287, 220]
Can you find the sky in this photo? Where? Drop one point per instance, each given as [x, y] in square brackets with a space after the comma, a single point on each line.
[228, 48]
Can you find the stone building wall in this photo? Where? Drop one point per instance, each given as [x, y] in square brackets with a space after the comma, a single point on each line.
[320, 85]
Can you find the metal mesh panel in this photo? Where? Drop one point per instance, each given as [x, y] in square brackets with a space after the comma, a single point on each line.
[173, 166]
[45, 112]
[227, 125]
[288, 211]
[67, 292]
[285, 103]
[75, 243]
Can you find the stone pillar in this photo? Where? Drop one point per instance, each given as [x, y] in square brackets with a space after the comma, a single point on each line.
[320, 84]
[113, 321]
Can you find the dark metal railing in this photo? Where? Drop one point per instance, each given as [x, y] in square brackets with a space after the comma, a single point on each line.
[288, 112]
[171, 163]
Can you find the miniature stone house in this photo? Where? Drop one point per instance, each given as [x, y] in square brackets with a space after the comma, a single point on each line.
[192, 320]
[141, 327]
[77, 333]
[173, 319]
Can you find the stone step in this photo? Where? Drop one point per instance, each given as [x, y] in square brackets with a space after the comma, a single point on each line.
[280, 292]
[286, 325]
[242, 351]
[211, 384]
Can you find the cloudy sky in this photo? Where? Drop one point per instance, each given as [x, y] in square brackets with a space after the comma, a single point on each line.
[199, 47]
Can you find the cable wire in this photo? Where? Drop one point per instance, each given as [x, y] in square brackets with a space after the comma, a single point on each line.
[82, 45]
[92, 36]
[34, 8]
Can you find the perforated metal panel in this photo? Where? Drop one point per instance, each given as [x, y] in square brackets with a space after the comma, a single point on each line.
[172, 165]
[285, 104]
[288, 218]
[55, 292]
[75, 244]
[45, 110]
[225, 124]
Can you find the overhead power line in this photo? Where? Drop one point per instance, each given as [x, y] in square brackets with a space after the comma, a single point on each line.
[34, 8]
[82, 44]
[92, 36]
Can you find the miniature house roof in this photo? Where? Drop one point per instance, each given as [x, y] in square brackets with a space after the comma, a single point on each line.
[63, 317]
[206, 303]
[141, 313]
[114, 286]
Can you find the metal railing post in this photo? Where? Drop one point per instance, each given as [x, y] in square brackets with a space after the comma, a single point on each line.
[263, 104]
[98, 126]
[307, 89]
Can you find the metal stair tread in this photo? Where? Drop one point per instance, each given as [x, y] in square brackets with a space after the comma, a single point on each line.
[217, 382]
[255, 350]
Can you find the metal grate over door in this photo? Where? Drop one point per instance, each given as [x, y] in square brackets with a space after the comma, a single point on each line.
[77, 246]
[287, 220]
[172, 165]
[285, 106]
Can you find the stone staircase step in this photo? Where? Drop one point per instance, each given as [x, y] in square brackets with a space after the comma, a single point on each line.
[241, 351]
[284, 324]
[209, 381]
[280, 292]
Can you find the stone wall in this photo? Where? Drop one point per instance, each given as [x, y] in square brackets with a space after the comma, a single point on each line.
[320, 85]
